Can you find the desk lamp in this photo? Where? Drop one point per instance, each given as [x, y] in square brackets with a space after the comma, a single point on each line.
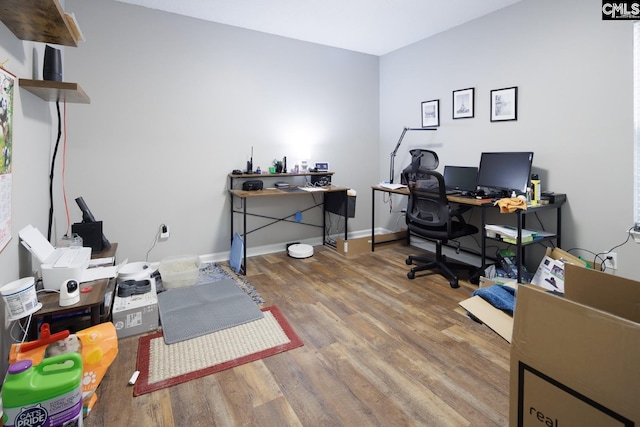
[395, 150]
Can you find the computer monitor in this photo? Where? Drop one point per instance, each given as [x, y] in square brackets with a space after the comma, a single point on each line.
[460, 178]
[505, 172]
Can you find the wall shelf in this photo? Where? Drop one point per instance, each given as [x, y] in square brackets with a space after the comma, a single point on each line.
[56, 91]
[39, 21]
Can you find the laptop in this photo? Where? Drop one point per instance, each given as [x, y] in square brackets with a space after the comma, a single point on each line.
[460, 179]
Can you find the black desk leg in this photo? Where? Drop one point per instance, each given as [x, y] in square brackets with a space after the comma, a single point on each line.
[373, 219]
[244, 234]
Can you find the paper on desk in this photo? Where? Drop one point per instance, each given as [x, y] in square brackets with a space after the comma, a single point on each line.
[101, 262]
[392, 186]
[97, 273]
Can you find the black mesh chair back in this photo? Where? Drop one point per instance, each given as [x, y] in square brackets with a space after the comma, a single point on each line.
[429, 216]
[421, 160]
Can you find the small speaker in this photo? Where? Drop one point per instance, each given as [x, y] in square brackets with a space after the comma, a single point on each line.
[52, 68]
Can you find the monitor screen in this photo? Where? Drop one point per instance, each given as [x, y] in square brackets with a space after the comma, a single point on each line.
[508, 171]
[461, 178]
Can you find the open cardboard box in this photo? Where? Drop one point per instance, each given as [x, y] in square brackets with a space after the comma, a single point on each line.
[499, 321]
[574, 359]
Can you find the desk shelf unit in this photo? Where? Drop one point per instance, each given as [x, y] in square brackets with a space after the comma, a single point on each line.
[485, 205]
[267, 192]
[97, 302]
[521, 216]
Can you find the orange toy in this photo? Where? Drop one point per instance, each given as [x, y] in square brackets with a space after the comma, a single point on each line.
[98, 346]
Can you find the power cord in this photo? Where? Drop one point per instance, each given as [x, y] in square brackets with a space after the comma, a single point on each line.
[601, 256]
[155, 240]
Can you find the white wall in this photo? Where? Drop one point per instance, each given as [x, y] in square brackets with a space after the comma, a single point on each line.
[575, 109]
[34, 131]
[177, 103]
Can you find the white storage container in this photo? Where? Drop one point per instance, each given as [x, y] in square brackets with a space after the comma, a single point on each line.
[179, 271]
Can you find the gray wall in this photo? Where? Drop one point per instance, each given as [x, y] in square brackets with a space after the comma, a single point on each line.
[177, 103]
[575, 110]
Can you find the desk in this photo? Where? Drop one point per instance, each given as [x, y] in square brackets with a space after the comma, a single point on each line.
[485, 204]
[293, 192]
[92, 300]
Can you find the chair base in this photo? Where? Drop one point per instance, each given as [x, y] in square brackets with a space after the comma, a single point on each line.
[428, 264]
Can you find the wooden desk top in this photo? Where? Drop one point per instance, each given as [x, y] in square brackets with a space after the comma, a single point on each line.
[275, 175]
[293, 191]
[465, 200]
[452, 198]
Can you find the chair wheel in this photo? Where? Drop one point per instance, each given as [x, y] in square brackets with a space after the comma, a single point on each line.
[408, 261]
[454, 283]
[411, 275]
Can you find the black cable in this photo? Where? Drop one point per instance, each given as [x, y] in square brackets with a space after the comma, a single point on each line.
[51, 174]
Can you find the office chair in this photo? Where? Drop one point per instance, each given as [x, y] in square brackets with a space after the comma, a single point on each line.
[430, 217]
[420, 159]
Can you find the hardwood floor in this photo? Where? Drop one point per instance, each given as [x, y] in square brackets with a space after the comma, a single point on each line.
[379, 350]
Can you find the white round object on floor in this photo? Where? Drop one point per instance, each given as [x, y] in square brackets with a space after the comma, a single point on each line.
[300, 251]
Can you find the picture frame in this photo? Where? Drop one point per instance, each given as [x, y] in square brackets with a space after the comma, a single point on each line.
[504, 104]
[431, 113]
[463, 103]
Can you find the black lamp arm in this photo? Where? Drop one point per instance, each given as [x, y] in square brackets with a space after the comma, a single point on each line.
[395, 150]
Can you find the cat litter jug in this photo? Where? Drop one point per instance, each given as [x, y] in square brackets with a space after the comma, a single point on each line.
[46, 395]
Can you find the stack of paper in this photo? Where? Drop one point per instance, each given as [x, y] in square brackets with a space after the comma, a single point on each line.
[509, 233]
[392, 186]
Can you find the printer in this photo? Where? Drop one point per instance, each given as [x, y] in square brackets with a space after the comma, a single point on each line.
[57, 265]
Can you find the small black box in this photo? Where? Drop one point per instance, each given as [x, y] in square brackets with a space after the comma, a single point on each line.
[554, 197]
[252, 185]
[91, 233]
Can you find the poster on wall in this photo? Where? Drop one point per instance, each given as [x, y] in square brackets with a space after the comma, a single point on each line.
[7, 83]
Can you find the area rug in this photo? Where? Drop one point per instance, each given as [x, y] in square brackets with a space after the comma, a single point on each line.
[163, 365]
[197, 310]
[210, 272]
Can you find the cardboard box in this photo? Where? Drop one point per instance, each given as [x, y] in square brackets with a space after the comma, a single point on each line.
[574, 359]
[352, 247]
[499, 321]
[136, 314]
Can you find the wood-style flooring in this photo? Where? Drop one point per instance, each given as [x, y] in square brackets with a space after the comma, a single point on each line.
[379, 350]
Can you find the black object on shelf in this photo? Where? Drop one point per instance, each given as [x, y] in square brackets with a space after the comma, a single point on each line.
[87, 218]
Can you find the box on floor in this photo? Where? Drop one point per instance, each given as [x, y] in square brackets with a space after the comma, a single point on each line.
[499, 321]
[136, 314]
[574, 359]
[361, 245]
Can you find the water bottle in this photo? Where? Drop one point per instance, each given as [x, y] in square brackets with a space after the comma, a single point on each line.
[535, 184]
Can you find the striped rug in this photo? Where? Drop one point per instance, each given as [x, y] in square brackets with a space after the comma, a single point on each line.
[164, 365]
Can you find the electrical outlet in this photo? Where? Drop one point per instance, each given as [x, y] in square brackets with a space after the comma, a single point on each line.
[611, 260]
[164, 233]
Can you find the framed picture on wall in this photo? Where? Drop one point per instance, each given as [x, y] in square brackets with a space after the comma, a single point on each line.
[463, 103]
[504, 104]
[431, 113]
